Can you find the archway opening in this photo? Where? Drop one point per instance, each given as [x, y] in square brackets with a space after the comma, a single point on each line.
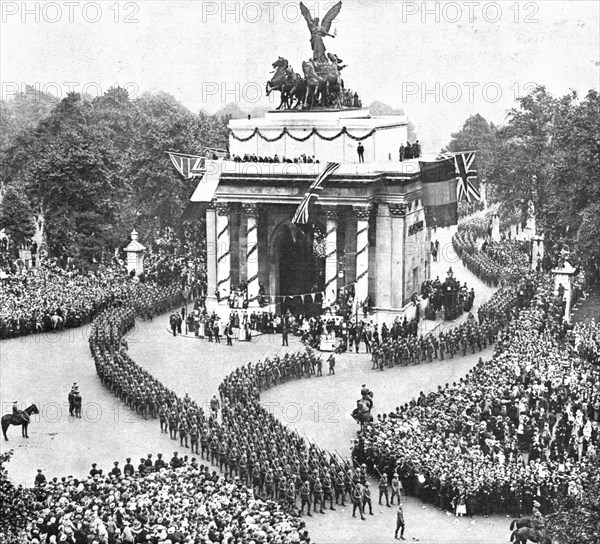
[302, 268]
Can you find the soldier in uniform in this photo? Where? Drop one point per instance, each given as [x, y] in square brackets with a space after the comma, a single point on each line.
[400, 523]
[318, 495]
[357, 503]
[396, 488]
[383, 489]
[328, 491]
[159, 463]
[183, 432]
[128, 469]
[366, 498]
[194, 435]
[162, 416]
[340, 489]
[305, 498]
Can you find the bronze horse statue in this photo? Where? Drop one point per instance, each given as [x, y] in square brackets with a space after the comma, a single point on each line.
[282, 81]
[315, 85]
[21, 417]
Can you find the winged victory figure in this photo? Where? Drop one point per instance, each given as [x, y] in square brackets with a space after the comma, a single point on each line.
[318, 30]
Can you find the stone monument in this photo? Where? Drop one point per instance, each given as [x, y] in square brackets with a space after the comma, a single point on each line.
[135, 255]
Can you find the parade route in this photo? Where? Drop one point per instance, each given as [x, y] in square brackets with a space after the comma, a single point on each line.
[319, 408]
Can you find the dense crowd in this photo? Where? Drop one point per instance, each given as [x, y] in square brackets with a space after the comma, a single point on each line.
[52, 298]
[586, 340]
[515, 429]
[449, 295]
[305, 159]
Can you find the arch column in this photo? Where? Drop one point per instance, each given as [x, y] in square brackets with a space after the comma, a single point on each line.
[223, 250]
[362, 252]
[331, 256]
[211, 251]
[252, 212]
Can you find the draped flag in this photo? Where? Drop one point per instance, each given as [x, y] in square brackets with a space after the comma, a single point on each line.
[301, 215]
[189, 166]
[439, 182]
[466, 175]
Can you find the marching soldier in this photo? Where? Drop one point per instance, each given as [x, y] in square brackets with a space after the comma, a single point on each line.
[400, 523]
[396, 488]
[327, 491]
[194, 435]
[340, 489]
[366, 498]
[318, 495]
[383, 489]
[357, 502]
[305, 498]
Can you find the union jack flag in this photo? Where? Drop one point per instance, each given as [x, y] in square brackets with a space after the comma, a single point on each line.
[189, 166]
[301, 215]
[466, 175]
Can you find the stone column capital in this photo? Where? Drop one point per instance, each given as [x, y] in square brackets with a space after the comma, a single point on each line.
[331, 212]
[223, 209]
[363, 211]
[397, 210]
[212, 205]
[252, 210]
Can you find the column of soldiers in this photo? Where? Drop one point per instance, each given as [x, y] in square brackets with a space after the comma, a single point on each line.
[493, 316]
[249, 444]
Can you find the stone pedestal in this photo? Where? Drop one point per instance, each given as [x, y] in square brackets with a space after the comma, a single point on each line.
[563, 277]
[135, 255]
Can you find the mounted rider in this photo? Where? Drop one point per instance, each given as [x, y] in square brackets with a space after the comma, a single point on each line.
[19, 413]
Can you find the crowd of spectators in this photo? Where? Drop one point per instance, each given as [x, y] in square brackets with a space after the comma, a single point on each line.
[304, 159]
[515, 429]
[52, 298]
[586, 340]
[449, 295]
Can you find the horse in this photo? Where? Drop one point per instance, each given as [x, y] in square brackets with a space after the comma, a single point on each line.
[334, 85]
[315, 85]
[524, 522]
[282, 81]
[22, 417]
[525, 534]
[362, 413]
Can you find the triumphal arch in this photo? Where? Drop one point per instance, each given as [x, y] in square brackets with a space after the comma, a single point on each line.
[364, 228]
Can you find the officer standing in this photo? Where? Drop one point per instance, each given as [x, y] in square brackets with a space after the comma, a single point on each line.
[400, 523]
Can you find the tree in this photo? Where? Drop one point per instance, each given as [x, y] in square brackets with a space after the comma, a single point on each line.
[16, 216]
[549, 154]
[476, 135]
